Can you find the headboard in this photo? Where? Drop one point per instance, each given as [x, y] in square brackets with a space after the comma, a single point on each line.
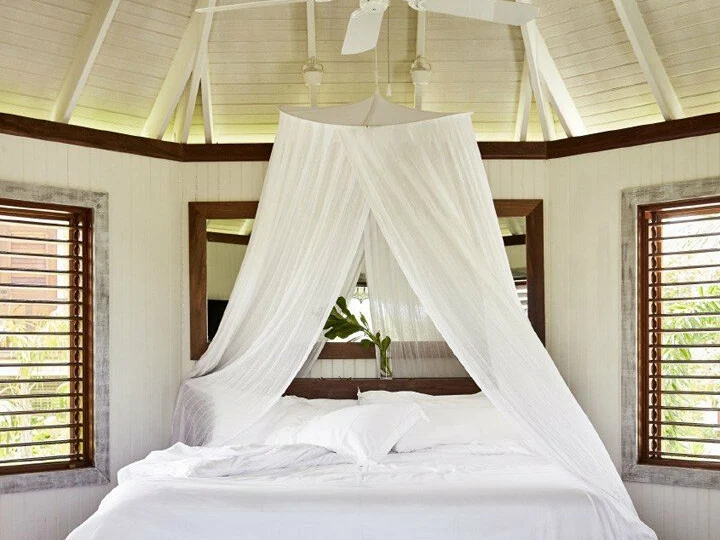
[348, 388]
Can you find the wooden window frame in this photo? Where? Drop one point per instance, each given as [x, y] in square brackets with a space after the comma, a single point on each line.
[92, 305]
[638, 465]
[199, 212]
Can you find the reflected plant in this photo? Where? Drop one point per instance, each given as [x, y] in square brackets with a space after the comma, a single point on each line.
[342, 324]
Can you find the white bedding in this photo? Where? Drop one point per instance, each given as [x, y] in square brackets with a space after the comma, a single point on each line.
[305, 492]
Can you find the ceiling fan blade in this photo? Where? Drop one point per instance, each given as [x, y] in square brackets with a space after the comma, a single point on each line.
[499, 11]
[514, 13]
[246, 5]
[363, 31]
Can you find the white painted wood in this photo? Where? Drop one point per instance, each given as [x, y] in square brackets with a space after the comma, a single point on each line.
[199, 70]
[532, 58]
[649, 59]
[149, 287]
[93, 35]
[420, 33]
[180, 114]
[310, 18]
[522, 120]
[185, 62]
[557, 91]
[207, 108]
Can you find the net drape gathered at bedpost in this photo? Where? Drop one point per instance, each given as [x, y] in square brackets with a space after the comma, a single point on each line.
[421, 178]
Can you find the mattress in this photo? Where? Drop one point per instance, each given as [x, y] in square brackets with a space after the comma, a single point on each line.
[301, 492]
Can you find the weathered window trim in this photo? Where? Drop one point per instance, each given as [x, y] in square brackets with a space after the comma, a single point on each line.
[99, 473]
[632, 470]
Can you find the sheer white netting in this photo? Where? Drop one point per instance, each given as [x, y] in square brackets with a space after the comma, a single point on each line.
[330, 170]
[418, 347]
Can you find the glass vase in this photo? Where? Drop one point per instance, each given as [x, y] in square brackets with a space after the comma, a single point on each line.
[385, 366]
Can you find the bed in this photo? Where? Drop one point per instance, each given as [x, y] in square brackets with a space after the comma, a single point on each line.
[490, 489]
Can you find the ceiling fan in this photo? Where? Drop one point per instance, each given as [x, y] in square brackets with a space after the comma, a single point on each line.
[365, 22]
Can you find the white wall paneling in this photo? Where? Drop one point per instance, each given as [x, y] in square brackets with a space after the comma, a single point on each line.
[149, 347]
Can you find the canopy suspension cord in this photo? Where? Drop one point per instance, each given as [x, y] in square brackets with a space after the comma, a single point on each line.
[377, 73]
[388, 89]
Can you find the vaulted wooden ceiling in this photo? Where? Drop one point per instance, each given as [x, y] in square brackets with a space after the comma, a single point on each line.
[154, 68]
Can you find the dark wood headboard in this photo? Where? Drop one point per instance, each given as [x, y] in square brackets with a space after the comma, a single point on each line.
[348, 388]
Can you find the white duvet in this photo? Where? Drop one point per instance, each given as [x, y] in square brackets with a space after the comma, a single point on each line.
[306, 492]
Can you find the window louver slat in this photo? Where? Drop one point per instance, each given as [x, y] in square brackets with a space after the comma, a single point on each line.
[679, 333]
[45, 337]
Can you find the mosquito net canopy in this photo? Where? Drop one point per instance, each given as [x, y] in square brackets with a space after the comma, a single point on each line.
[372, 175]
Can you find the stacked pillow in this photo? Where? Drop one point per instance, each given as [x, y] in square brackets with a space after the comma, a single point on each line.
[368, 429]
[450, 420]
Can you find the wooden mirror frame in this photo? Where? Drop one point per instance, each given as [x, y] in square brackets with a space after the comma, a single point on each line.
[532, 211]
[200, 212]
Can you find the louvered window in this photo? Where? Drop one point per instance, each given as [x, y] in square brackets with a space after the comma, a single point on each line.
[679, 333]
[45, 337]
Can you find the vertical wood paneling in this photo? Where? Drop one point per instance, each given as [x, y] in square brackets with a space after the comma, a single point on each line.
[149, 296]
[583, 274]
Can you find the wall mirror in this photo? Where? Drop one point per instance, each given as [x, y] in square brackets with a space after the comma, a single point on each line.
[219, 236]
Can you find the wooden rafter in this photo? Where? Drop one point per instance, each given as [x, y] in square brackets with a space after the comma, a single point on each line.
[649, 60]
[20, 126]
[532, 58]
[184, 63]
[557, 91]
[522, 120]
[206, 95]
[91, 40]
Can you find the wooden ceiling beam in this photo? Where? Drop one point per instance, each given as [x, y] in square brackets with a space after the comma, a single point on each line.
[522, 120]
[20, 126]
[184, 63]
[183, 122]
[206, 96]
[532, 58]
[558, 93]
[649, 59]
[92, 37]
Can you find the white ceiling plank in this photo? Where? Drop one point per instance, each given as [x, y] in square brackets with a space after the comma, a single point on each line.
[522, 121]
[184, 64]
[206, 96]
[531, 57]
[649, 59]
[92, 38]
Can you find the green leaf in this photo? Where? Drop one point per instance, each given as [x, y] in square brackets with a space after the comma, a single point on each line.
[342, 303]
[367, 343]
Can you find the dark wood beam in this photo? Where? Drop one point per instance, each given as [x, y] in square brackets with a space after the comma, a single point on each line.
[118, 142]
[671, 130]
[225, 238]
[33, 128]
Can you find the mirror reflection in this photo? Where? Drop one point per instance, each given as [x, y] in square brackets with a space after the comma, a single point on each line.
[513, 231]
[227, 241]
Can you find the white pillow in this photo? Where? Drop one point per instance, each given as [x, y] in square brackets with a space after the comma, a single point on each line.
[364, 434]
[288, 412]
[451, 420]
